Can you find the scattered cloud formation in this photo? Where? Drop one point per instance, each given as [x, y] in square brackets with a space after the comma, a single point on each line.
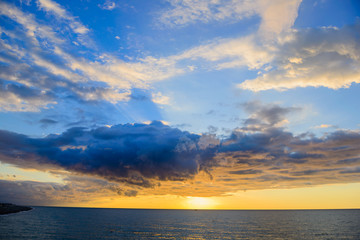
[296, 58]
[36, 57]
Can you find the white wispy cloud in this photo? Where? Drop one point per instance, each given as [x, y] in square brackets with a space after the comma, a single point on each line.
[276, 16]
[31, 27]
[230, 53]
[58, 11]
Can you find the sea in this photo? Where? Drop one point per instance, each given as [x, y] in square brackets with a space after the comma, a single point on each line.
[95, 223]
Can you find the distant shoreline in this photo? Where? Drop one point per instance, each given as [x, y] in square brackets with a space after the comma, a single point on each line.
[8, 208]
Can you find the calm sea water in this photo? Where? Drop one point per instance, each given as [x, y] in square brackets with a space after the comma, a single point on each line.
[85, 223]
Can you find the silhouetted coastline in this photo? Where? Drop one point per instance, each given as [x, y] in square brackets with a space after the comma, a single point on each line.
[7, 208]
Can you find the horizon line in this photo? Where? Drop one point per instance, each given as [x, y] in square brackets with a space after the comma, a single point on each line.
[206, 209]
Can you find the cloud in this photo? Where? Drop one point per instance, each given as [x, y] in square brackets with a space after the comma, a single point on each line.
[185, 12]
[263, 154]
[31, 193]
[75, 189]
[132, 153]
[277, 159]
[20, 98]
[108, 5]
[31, 27]
[297, 58]
[111, 79]
[276, 16]
[324, 126]
[55, 9]
[45, 122]
[159, 98]
[255, 51]
[247, 171]
[265, 116]
[229, 53]
[157, 156]
[323, 57]
[35, 56]
[286, 58]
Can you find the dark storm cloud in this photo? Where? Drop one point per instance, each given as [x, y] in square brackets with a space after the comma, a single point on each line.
[132, 153]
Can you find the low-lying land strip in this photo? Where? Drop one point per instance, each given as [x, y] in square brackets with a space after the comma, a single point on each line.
[6, 208]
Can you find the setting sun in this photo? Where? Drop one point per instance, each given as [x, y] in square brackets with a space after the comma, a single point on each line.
[200, 203]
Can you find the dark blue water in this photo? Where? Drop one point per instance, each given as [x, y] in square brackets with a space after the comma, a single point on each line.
[84, 223]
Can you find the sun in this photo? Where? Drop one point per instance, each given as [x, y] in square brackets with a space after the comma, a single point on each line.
[200, 203]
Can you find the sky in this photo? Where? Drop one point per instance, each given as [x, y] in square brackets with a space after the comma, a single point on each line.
[180, 104]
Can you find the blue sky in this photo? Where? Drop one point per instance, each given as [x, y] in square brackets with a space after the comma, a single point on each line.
[206, 68]
[193, 89]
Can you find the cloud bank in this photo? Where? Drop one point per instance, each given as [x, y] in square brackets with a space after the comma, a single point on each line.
[259, 155]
